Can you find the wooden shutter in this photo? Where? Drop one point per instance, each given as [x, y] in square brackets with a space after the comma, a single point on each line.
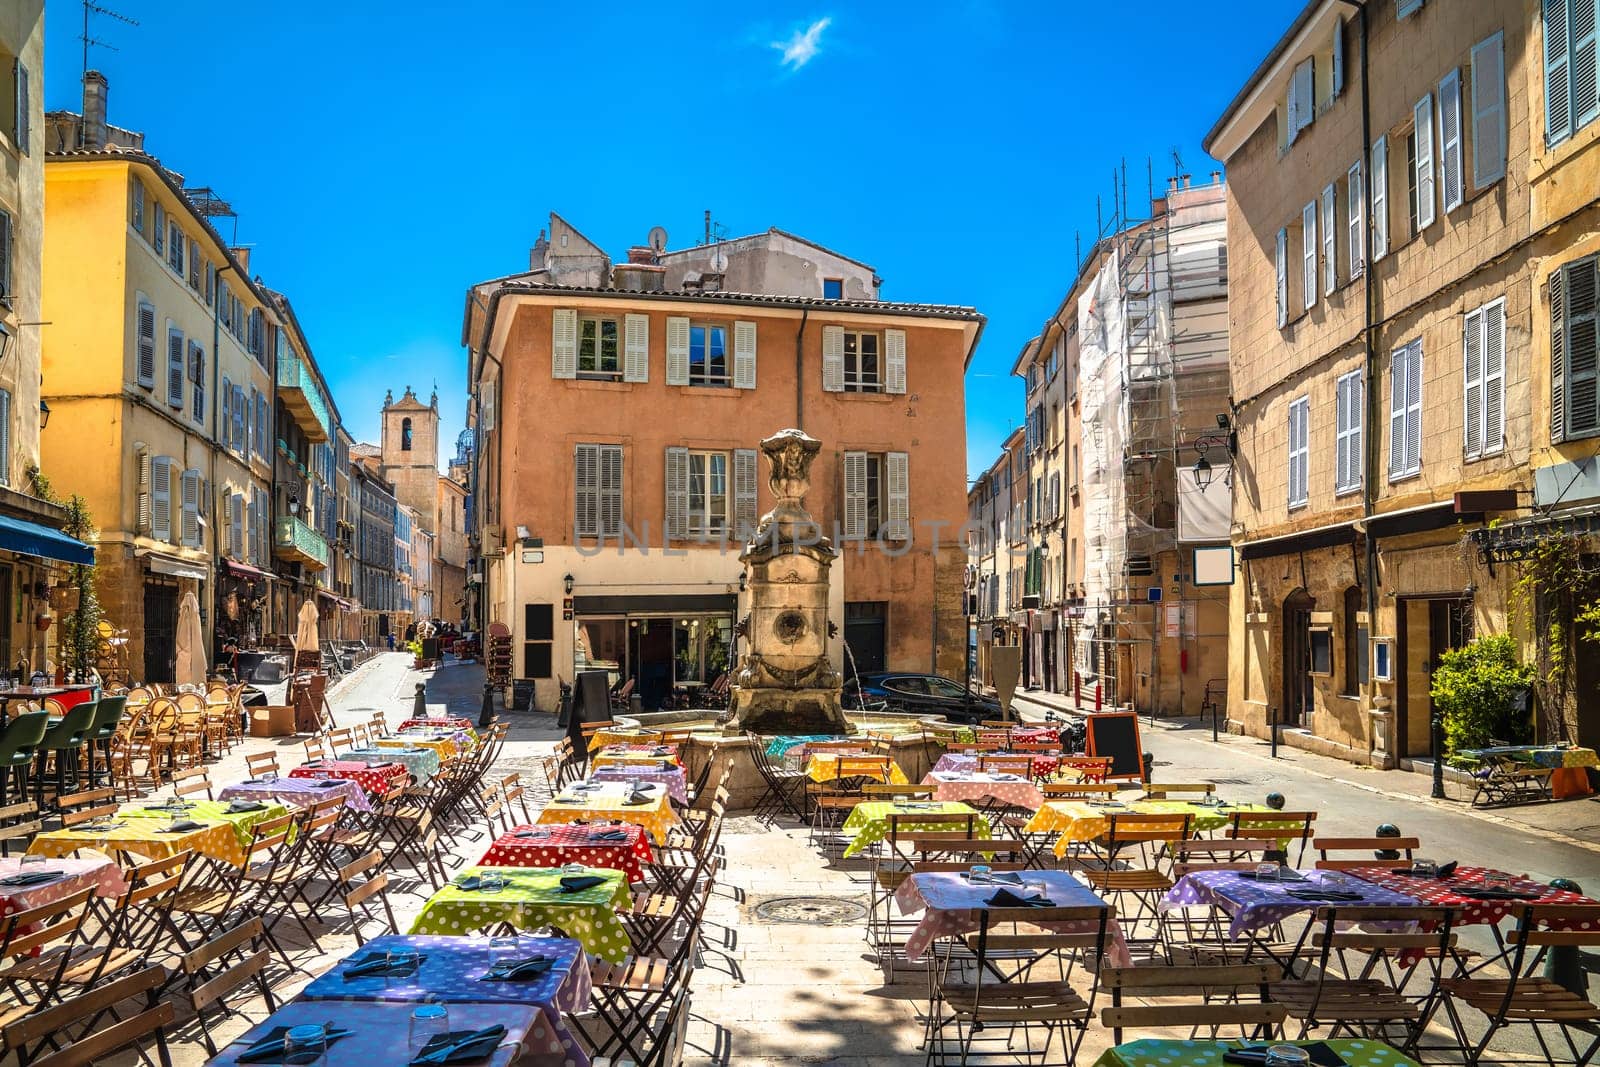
[1351, 416]
[189, 503]
[1407, 8]
[1283, 278]
[197, 377]
[1582, 349]
[894, 347]
[586, 491]
[677, 351]
[1341, 426]
[225, 422]
[1399, 360]
[1330, 232]
[161, 498]
[1302, 98]
[744, 355]
[897, 473]
[677, 492]
[564, 343]
[1472, 380]
[486, 411]
[263, 446]
[1494, 376]
[1379, 180]
[611, 490]
[24, 106]
[1450, 177]
[833, 364]
[5, 437]
[636, 348]
[1557, 74]
[744, 493]
[1489, 110]
[1422, 116]
[1338, 55]
[1558, 362]
[147, 344]
[143, 503]
[1308, 254]
[1582, 29]
[174, 367]
[1356, 214]
[1299, 412]
[855, 495]
[158, 229]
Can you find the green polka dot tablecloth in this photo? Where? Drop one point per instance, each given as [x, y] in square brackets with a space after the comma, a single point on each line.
[1159, 1053]
[532, 900]
[870, 821]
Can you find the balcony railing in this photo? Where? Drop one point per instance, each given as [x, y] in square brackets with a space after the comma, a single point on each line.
[297, 388]
[294, 540]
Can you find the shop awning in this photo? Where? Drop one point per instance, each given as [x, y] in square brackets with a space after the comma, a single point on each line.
[177, 568]
[33, 539]
[247, 571]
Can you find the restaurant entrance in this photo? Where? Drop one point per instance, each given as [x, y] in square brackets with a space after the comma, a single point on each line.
[667, 657]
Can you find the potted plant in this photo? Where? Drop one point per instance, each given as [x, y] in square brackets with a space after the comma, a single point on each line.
[1481, 692]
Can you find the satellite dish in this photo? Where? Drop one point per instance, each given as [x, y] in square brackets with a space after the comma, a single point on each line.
[719, 261]
[658, 238]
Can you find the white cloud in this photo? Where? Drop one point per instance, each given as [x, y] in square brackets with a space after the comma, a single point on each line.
[803, 47]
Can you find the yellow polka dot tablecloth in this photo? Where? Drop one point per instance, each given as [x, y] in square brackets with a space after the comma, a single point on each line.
[602, 738]
[223, 835]
[533, 899]
[605, 801]
[824, 767]
[870, 821]
[1178, 1053]
[443, 747]
[645, 755]
[1082, 820]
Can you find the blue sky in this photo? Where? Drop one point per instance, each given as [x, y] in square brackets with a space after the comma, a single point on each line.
[384, 156]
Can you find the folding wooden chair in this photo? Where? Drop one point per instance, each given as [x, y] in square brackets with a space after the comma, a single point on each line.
[1370, 845]
[35, 948]
[18, 822]
[1286, 827]
[317, 748]
[786, 789]
[363, 884]
[87, 806]
[511, 792]
[192, 783]
[219, 968]
[1140, 878]
[1086, 768]
[260, 763]
[1006, 763]
[1188, 997]
[38, 1038]
[1179, 790]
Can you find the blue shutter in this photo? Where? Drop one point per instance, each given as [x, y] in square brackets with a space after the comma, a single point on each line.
[1557, 83]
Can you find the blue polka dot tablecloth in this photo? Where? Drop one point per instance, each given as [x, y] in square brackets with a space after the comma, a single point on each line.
[1160, 1053]
[533, 899]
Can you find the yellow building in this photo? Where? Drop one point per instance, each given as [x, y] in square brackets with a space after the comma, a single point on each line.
[157, 374]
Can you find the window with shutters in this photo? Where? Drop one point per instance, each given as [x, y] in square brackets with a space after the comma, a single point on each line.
[1283, 277]
[189, 483]
[863, 367]
[1308, 255]
[136, 205]
[7, 241]
[160, 496]
[1575, 350]
[876, 496]
[708, 355]
[175, 367]
[1330, 231]
[211, 284]
[1350, 415]
[257, 334]
[597, 485]
[706, 497]
[22, 110]
[1483, 354]
[261, 443]
[1422, 155]
[195, 260]
[1301, 105]
[1378, 175]
[158, 229]
[1450, 155]
[1571, 102]
[1405, 412]
[6, 433]
[197, 380]
[1489, 110]
[175, 247]
[1356, 220]
[599, 348]
[1299, 451]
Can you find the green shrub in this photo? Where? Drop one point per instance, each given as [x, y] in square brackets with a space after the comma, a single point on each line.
[1481, 692]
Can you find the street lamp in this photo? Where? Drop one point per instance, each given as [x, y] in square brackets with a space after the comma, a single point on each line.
[744, 582]
[1227, 439]
[294, 504]
[566, 584]
[44, 414]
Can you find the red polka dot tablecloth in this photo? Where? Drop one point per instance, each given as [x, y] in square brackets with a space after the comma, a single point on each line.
[593, 845]
[1450, 892]
[374, 778]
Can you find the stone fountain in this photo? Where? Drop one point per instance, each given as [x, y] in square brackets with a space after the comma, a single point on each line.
[785, 683]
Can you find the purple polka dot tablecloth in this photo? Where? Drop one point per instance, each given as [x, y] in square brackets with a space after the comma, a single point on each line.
[1157, 1052]
[671, 778]
[951, 904]
[300, 792]
[1253, 904]
[452, 971]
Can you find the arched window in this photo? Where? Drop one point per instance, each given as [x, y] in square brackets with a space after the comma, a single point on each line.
[1355, 642]
[405, 435]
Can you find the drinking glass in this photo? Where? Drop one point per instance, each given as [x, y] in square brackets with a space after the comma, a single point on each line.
[1424, 868]
[306, 1045]
[401, 964]
[428, 1021]
[1266, 872]
[573, 868]
[491, 882]
[1287, 1056]
[503, 950]
[978, 874]
[1497, 880]
[29, 858]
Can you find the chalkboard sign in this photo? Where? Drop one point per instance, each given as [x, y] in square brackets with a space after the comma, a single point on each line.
[522, 695]
[1117, 735]
[591, 702]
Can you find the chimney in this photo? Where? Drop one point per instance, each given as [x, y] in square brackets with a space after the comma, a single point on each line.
[243, 256]
[94, 110]
[538, 253]
[641, 254]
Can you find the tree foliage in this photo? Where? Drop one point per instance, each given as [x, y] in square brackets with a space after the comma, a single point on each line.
[1481, 691]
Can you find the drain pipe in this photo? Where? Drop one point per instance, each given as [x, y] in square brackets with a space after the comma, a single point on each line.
[800, 371]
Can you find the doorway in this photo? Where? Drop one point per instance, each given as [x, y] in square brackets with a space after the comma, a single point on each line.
[866, 635]
[160, 631]
[651, 652]
[1298, 698]
[1429, 627]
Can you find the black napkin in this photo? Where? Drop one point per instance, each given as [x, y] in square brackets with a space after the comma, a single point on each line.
[1497, 894]
[377, 965]
[239, 807]
[638, 798]
[183, 826]
[470, 882]
[1324, 894]
[610, 835]
[1005, 898]
[519, 970]
[667, 765]
[460, 1046]
[532, 833]
[326, 784]
[27, 878]
[270, 1048]
[1320, 1052]
[577, 883]
[1285, 874]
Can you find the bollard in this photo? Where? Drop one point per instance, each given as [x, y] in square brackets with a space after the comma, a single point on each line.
[1275, 801]
[1563, 966]
[1149, 765]
[1387, 829]
[419, 706]
[486, 715]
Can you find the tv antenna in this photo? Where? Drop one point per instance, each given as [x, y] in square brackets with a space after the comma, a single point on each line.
[92, 8]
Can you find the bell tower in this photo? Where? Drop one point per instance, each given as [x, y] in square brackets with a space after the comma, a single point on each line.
[409, 453]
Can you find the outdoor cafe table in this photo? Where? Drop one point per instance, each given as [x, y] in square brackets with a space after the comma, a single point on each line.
[301, 792]
[951, 903]
[671, 777]
[1036, 734]
[102, 875]
[1253, 905]
[983, 785]
[1175, 1052]
[419, 762]
[452, 721]
[451, 971]
[869, 821]
[533, 899]
[615, 754]
[1084, 820]
[443, 747]
[374, 778]
[603, 801]
[555, 846]
[1567, 763]
[620, 736]
[778, 747]
[223, 836]
[824, 767]
[1044, 766]
[465, 740]
[380, 1031]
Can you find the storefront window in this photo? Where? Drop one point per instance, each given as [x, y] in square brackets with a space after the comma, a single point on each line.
[701, 649]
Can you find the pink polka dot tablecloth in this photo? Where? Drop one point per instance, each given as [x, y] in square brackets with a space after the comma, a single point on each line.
[672, 779]
[301, 792]
[966, 762]
[591, 845]
[951, 906]
[980, 786]
[102, 875]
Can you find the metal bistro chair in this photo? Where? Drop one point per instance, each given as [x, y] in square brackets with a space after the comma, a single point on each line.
[63, 740]
[106, 721]
[18, 745]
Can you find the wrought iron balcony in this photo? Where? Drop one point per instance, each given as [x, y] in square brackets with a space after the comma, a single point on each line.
[294, 540]
[297, 388]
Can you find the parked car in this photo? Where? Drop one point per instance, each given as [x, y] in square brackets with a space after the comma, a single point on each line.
[928, 694]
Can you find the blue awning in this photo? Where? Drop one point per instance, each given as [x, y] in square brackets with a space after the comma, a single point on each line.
[32, 539]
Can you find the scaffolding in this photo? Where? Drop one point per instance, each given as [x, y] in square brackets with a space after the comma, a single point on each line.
[1152, 361]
